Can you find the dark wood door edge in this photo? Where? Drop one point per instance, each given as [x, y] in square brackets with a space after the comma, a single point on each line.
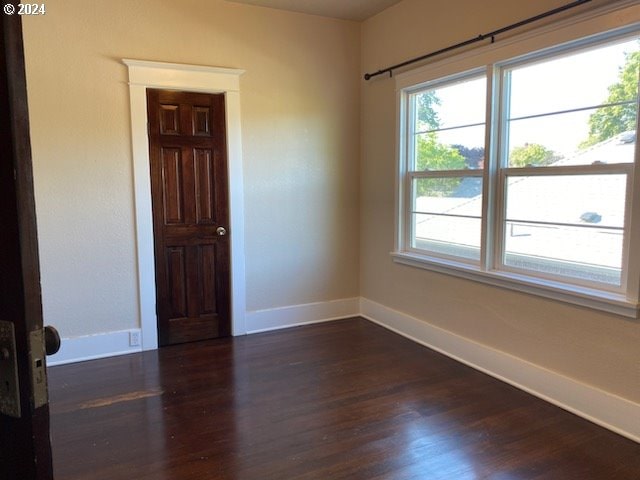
[25, 449]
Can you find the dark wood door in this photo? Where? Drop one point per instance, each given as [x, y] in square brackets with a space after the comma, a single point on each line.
[25, 448]
[187, 145]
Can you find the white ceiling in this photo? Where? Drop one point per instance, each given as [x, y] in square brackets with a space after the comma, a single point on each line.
[347, 9]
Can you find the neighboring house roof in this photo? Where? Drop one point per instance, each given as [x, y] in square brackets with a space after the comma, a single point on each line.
[618, 149]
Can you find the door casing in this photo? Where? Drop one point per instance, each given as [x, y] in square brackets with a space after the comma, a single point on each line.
[195, 78]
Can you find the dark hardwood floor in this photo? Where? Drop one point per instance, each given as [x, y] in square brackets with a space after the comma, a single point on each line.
[340, 400]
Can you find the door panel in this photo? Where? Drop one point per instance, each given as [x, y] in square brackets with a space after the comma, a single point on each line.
[205, 186]
[202, 121]
[176, 274]
[169, 119]
[208, 265]
[172, 184]
[187, 145]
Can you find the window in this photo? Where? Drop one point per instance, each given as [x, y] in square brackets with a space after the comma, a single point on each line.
[447, 153]
[521, 171]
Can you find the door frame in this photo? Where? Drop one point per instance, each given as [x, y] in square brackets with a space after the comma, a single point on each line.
[195, 78]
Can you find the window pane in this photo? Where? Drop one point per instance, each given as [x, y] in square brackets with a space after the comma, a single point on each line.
[601, 84]
[560, 140]
[446, 215]
[597, 200]
[452, 196]
[456, 236]
[571, 81]
[454, 105]
[570, 226]
[577, 252]
[456, 149]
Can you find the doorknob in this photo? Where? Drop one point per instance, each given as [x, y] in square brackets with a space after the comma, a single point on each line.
[51, 340]
[221, 231]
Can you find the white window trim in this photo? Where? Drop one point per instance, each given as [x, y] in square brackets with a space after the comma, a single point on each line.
[612, 18]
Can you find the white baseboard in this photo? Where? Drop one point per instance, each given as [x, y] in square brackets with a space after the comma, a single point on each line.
[295, 315]
[91, 347]
[605, 409]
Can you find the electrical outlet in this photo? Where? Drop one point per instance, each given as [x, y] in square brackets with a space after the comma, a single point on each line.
[134, 338]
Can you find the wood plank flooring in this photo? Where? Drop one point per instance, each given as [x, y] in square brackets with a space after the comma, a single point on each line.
[340, 400]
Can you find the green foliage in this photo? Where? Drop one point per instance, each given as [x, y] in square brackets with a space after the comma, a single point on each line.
[606, 122]
[531, 155]
[432, 155]
[427, 117]
[473, 156]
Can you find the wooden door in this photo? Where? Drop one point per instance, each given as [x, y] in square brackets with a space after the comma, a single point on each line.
[25, 448]
[187, 145]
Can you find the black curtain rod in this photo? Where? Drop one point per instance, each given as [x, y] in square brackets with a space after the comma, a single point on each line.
[479, 38]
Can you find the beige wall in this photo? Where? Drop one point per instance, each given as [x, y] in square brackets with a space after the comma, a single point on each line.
[306, 116]
[300, 126]
[595, 348]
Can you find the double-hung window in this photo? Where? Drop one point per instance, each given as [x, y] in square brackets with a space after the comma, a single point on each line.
[446, 152]
[522, 171]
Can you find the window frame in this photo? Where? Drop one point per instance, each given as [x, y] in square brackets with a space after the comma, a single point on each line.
[588, 30]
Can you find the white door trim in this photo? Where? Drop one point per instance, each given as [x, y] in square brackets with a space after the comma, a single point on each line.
[172, 76]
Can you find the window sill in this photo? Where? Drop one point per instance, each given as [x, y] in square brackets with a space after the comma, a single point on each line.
[585, 297]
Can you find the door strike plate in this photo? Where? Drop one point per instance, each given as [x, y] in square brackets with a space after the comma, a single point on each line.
[9, 387]
[38, 368]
